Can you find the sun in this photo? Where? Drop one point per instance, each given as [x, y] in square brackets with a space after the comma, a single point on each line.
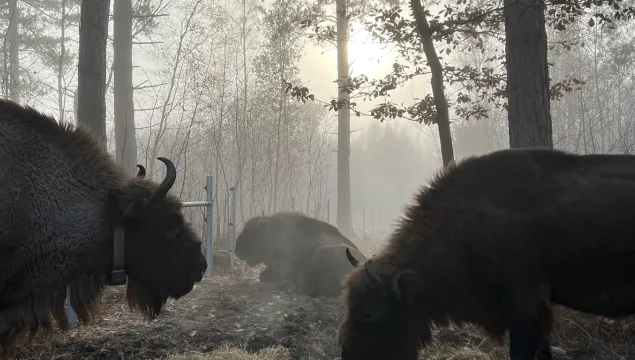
[368, 56]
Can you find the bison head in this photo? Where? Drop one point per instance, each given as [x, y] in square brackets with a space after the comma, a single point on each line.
[382, 319]
[163, 256]
[251, 243]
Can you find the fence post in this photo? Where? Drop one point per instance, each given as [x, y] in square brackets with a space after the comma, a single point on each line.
[232, 228]
[209, 188]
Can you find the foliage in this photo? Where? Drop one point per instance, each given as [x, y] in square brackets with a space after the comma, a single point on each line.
[462, 26]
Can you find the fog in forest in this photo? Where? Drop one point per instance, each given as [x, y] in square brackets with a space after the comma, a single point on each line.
[207, 78]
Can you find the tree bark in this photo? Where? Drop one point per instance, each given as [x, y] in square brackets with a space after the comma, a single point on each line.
[91, 89]
[344, 212]
[527, 74]
[125, 137]
[14, 61]
[60, 64]
[438, 89]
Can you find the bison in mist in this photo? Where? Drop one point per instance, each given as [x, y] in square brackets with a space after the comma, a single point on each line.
[328, 268]
[69, 217]
[496, 240]
[286, 243]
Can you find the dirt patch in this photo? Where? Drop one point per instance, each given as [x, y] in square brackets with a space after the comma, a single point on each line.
[236, 311]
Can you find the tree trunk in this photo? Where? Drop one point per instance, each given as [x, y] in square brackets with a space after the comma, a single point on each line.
[344, 212]
[527, 74]
[438, 90]
[60, 64]
[91, 89]
[125, 138]
[14, 61]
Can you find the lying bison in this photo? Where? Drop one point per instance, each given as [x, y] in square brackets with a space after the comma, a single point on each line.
[495, 241]
[70, 218]
[286, 243]
[328, 268]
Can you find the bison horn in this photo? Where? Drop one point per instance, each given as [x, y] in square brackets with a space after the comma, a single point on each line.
[142, 171]
[164, 187]
[350, 258]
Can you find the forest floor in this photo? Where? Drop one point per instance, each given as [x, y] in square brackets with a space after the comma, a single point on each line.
[234, 316]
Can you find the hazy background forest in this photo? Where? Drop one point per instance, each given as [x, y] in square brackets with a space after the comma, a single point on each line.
[208, 95]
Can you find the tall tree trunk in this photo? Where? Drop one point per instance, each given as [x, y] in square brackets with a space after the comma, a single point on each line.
[125, 138]
[527, 74]
[60, 64]
[344, 216]
[14, 61]
[91, 90]
[438, 90]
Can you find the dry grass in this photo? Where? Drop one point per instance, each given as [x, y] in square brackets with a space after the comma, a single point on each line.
[233, 316]
[230, 353]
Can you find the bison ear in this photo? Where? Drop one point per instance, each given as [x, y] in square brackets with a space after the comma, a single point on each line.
[406, 286]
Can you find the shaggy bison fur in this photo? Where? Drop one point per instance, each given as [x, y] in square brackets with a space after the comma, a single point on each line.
[62, 198]
[286, 243]
[496, 240]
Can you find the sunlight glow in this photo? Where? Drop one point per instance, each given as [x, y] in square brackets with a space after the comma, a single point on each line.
[367, 55]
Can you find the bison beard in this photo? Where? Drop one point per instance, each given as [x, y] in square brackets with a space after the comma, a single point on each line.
[495, 241]
[63, 196]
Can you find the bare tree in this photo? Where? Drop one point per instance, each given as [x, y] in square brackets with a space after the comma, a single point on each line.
[14, 61]
[125, 138]
[344, 208]
[91, 89]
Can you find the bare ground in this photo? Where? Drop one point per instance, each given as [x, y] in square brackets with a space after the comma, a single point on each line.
[237, 311]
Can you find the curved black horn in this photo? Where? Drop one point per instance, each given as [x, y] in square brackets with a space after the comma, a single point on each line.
[350, 258]
[142, 171]
[164, 187]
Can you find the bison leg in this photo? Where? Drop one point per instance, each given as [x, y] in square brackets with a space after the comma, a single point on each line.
[525, 339]
[544, 351]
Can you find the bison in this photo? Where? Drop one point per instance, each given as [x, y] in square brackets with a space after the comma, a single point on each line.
[328, 268]
[496, 241]
[286, 243]
[71, 219]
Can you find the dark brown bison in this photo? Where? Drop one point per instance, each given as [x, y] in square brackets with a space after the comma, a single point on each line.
[286, 243]
[70, 218]
[328, 268]
[496, 240]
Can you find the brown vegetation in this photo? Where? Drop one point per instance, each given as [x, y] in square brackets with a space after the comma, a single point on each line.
[239, 312]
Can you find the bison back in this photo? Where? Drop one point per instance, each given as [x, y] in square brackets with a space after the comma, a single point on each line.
[514, 220]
